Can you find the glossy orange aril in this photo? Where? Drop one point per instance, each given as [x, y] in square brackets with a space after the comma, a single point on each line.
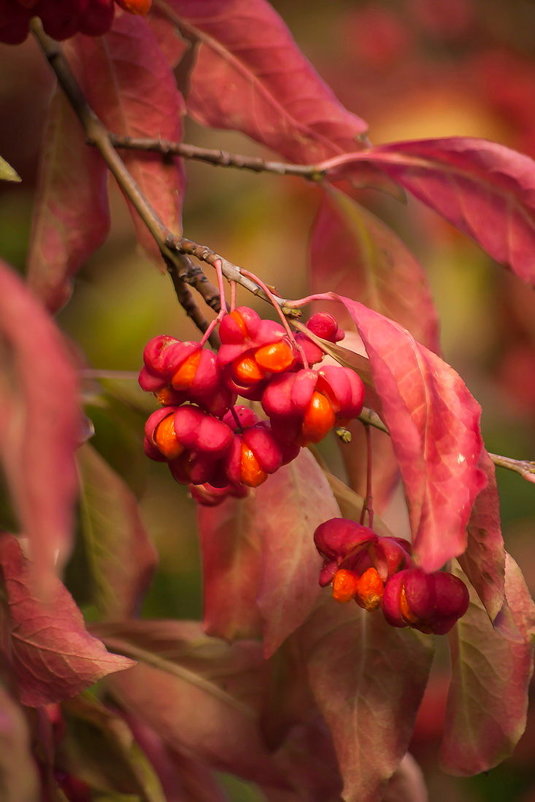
[251, 473]
[184, 377]
[166, 440]
[135, 6]
[240, 322]
[344, 585]
[319, 419]
[405, 610]
[247, 371]
[274, 357]
[370, 589]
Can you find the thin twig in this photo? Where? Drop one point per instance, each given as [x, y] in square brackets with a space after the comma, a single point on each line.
[97, 135]
[218, 158]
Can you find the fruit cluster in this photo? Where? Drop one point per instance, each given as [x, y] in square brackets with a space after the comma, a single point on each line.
[379, 572]
[62, 18]
[219, 448]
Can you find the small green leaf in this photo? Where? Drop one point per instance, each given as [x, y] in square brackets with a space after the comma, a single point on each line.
[7, 173]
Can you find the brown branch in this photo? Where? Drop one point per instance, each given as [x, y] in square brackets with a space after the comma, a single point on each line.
[97, 135]
[219, 158]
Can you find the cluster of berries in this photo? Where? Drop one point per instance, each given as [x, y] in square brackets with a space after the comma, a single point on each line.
[62, 18]
[220, 449]
[379, 572]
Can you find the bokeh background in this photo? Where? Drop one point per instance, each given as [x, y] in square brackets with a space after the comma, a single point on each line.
[413, 69]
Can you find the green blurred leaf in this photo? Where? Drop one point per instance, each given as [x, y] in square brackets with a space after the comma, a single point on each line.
[100, 749]
[119, 551]
[7, 173]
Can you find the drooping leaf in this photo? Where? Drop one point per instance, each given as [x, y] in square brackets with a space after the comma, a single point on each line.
[71, 216]
[484, 559]
[271, 92]
[231, 569]
[434, 425]
[52, 654]
[484, 189]
[488, 697]
[132, 89]
[288, 508]
[7, 172]
[198, 693]
[19, 779]
[39, 423]
[118, 548]
[368, 680]
[355, 254]
[99, 748]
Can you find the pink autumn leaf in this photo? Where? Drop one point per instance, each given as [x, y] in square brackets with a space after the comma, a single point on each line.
[39, 423]
[52, 655]
[131, 87]
[288, 508]
[70, 217]
[271, 92]
[368, 680]
[231, 568]
[485, 189]
[200, 695]
[433, 421]
[356, 255]
[484, 559]
[488, 697]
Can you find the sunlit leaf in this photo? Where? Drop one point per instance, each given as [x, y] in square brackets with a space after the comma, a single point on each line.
[7, 172]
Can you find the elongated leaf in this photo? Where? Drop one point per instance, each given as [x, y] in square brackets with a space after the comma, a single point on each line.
[7, 172]
[487, 702]
[19, 779]
[119, 551]
[355, 254]
[434, 424]
[485, 189]
[232, 566]
[288, 508]
[39, 423]
[200, 696]
[71, 216]
[131, 87]
[271, 92]
[484, 559]
[52, 654]
[368, 680]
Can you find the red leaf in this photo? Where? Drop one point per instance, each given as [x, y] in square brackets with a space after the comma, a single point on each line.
[118, 549]
[368, 680]
[231, 569]
[39, 423]
[484, 559]
[488, 698]
[434, 424]
[70, 217]
[288, 508]
[355, 254]
[132, 89]
[52, 654]
[199, 694]
[485, 189]
[271, 92]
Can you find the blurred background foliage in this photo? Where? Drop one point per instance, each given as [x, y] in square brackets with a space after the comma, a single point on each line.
[413, 69]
